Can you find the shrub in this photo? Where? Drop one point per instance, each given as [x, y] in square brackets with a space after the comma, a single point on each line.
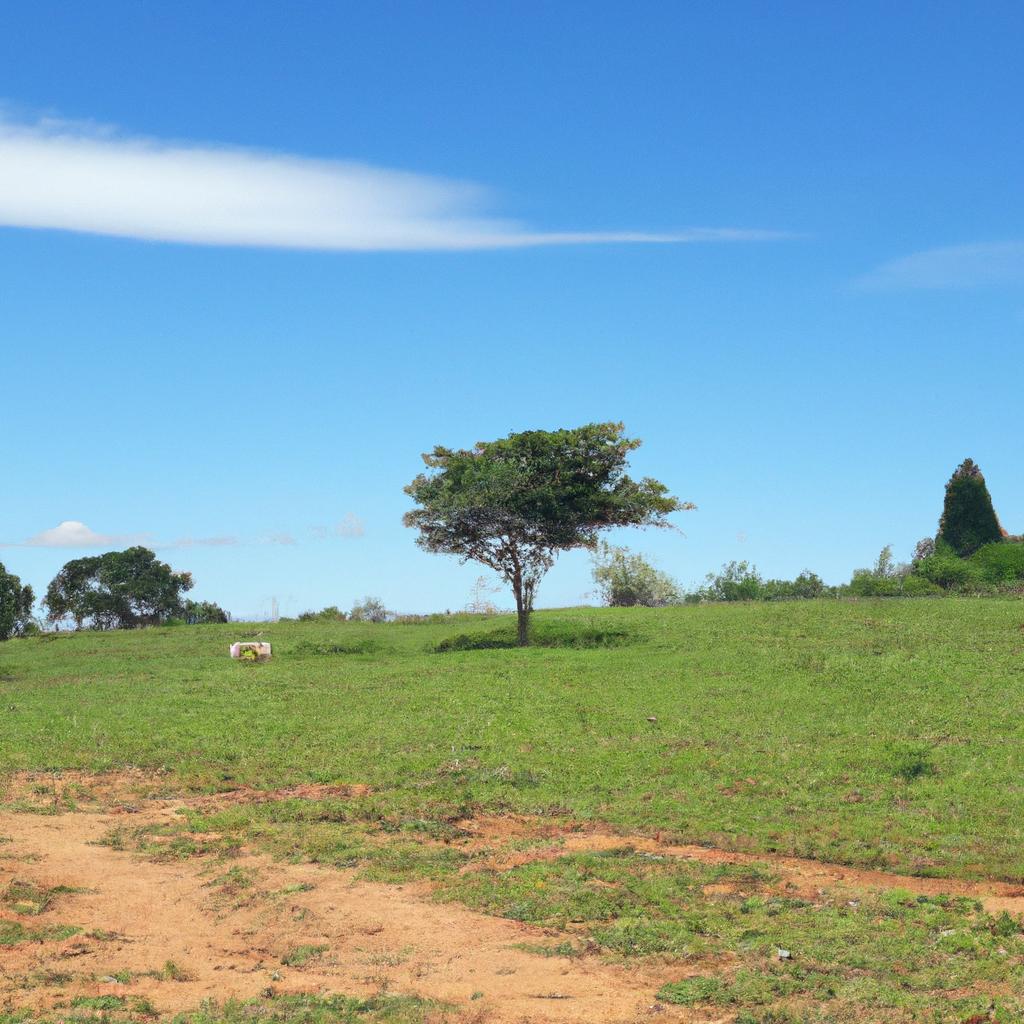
[947, 571]
[625, 580]
[999, 563]
[740, 581]
[737, 581]
[371, 610]
[198, 612]
[329, 614]
[545, 635]
[968, 519]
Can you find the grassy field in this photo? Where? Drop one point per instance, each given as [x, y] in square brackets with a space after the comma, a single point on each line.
[882, 734]
[873, 733]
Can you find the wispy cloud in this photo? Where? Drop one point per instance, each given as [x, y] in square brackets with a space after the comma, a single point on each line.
[76, 177]
[203, 542]
[278, 538]
[955, 266]
[73, 534]
[349, 527]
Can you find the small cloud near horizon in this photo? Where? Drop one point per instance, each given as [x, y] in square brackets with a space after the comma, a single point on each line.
[349, 527]
[956, 266]
[73, 534]
[86, 178]
[278, 538]
[203, 542]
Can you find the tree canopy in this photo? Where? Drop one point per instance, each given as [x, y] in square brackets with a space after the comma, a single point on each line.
[968, 519]
[515, 503]
[117, 590]
[15, 604]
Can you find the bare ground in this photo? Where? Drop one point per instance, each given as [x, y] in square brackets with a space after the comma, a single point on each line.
[136, 915]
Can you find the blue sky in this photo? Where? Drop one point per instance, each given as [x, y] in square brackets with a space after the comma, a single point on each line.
[256, 257]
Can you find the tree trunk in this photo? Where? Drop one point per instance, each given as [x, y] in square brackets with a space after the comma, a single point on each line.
[522, 613]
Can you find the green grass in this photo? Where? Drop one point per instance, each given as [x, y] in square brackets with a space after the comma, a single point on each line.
[792, 727]
[870, 958]
[873, 733]
[298, 1009]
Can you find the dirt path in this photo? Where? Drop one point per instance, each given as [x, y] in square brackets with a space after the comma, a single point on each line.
[137, 915]
[804, 877]
[228, 939]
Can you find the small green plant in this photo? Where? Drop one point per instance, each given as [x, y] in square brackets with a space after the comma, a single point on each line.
[301, 955]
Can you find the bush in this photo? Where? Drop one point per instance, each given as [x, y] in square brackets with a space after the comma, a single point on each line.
[918, 586]
[349, 647]
[968, 519]
[371, 610]
[947, 571]
[544, 635]
[200, 612]
[329, 614]
[625, 580]
[1001, 563]
[740, 581]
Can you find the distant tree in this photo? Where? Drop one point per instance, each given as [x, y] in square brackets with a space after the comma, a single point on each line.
[117, 590]
[515, 503]
[197, 613]
[332, 613]
[968, 519]
[15, 605]
[625, 579]
[479, 602]
[372, 609]
[924, 548]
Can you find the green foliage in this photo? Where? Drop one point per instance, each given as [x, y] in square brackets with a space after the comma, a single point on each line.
[515, 503]
[118, 590]
[547, 635]
[314, 1009]
[15, 605]
[197, 613]
[329, 614]
[372, 609]
[740, 581]
[625, 579]
[999, 563]
[968, 519]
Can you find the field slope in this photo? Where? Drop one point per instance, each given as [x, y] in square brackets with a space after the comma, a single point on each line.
[647, 790]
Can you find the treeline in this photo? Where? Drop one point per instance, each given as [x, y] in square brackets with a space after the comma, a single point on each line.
[117, 590]
[970, 554]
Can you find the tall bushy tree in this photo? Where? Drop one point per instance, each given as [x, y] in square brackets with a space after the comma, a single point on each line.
[15, 604]
[968, 519]
[515, 503]
[118, 590]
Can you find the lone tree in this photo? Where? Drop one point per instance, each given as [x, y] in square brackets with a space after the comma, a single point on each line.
[968, 519]
[514, 504]
[118, 590]
[15, 604]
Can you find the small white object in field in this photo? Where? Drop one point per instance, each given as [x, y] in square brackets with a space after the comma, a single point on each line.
[251, 651]
[783, 954]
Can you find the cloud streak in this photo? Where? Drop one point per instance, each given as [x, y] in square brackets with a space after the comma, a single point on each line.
[956, 266]
[73, 534]
[73, 177]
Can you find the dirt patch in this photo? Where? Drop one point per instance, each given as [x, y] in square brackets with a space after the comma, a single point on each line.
[178, 933]
[800, 876]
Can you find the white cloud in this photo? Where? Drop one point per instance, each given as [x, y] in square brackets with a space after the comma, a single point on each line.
[278, 538]
[349, 527]
[74, 177]
[73, 534]
[955, 266]
[203, 542]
